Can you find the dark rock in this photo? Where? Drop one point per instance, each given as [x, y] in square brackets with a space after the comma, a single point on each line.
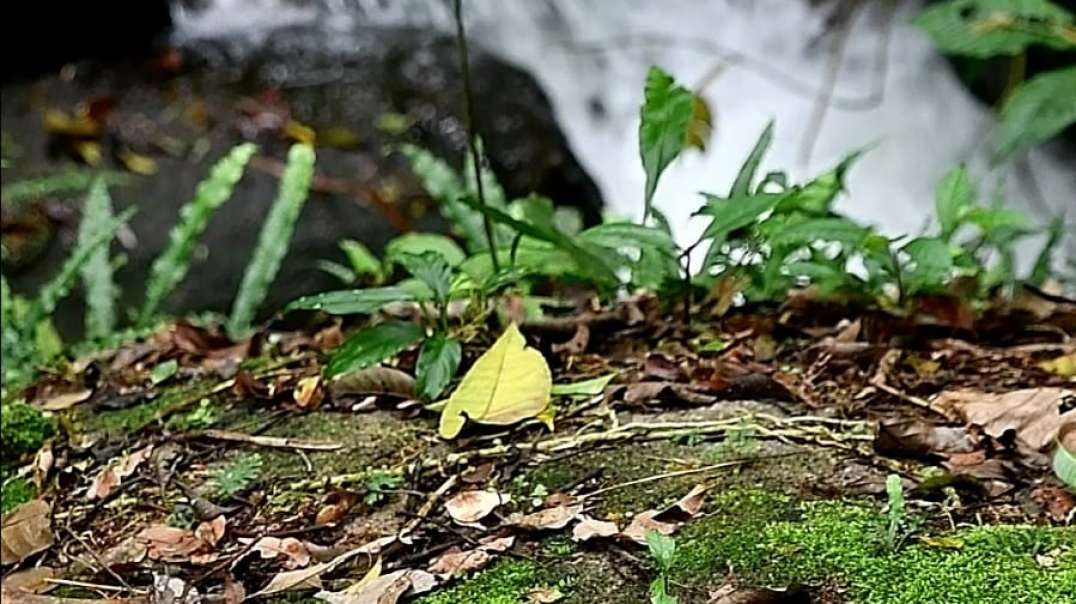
[187, 110]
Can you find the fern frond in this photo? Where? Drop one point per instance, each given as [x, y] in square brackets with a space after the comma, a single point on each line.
[70, 181]
[236, 477]
[171, 266]
[274, 238]
[97, 271]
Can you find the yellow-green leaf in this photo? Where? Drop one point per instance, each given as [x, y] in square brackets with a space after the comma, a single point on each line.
[507, 384]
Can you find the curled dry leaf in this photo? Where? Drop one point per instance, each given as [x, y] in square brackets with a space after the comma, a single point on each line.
[373, 380]
[916, 438]
[310, 577]
[384, 589]
[308, 392]
[169, 544]
[26, 531]
[643, 523]
[212, 531]
[468, 507]
[337, 505]
[1034, 415]
[589, 528]
[111, 477]
[456, 561]
[65, 400]
[544, 595]
[44, 459]
[292, 551]
[550, 518]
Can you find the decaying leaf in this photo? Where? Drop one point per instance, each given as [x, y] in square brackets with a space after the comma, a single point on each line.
[169, 544]
[589, 528]
[26, 531]
[308, 392]
[337, 505]
[457, 562]
[211, 531]
[544, 595]
[468, 507]
[643, 523]
[65, 400]
[383, 589]
[373, 380]
[917, 438]
[1064, 365]
[111, 477]
[310, 577]
[1032, 415]
[289, 549]
[556, 517]
[507, 384]
[29, 581]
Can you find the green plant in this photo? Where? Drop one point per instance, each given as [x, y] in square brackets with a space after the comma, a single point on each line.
[378, 484]
[15, 492]
[97, 271]
[1033, 110]
[203, 416]
[236, 477]
[23, 429]
[895, 494]
[171, 266]
[663, 552]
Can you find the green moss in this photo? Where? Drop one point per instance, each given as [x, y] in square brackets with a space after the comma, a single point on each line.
[23, 429]
[506, 582]
[14, 492]
[137, 417]
[770, 540]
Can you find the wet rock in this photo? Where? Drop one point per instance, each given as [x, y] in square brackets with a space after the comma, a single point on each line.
[185, 109]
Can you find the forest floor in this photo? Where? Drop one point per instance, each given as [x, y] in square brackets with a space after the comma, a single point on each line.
[189, 468]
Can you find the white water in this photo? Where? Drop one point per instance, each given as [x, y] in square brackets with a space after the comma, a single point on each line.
[596, 52]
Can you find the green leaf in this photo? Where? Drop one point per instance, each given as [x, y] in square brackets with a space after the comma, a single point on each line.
[72, 180]
[344, 274]
[508, 383]
[931, 264]
[1036, 111]
[437, 364]
[953, 197]
[171, 266]
[1065, 457]
[662, 550]
[817, 196]
[161, 372]
[987, 28]
[664, 120]
[432, 269]
[362, 260]
[625, 234]
[741, 187]
[729, 215]
[373, 345]
[841, 230]
[274, 238]
[895, 492]
[420, 243]
[60, 285]
[591, 387]
[97, 272]
[1043, 266]
[352, 301]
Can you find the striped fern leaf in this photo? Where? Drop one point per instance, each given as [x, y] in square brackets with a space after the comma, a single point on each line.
[274, 238]
[97, 271]
[171, 266]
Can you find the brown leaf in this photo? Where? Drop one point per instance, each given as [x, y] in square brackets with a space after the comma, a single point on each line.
[731, 594]
[111, 477]
[1033, 415]
[385, 589]
[169, 544]
[25, 531]
[688, 506]
[66, 400]
[589, 528]
[247, 386]
[544, 595]
[550, 518]
[337, 505]
[212, 531]
[44, 459]
[661, 367]
[920, 439]
[479, 474]
[310, 577]
[1057, 502]
[29, 581]
[308, 392]
[456, 561]
[289, 548]
[468, 507]
[578, 342]
[373, 380]
[643, 523]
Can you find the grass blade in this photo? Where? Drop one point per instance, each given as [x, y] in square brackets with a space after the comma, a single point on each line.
[97, 271]
[274, 238]
[171, 266]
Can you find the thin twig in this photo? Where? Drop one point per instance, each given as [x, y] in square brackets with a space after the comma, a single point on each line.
[656, 477]
[275, 442]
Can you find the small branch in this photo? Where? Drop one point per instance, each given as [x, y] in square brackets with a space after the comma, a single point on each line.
[271, 441]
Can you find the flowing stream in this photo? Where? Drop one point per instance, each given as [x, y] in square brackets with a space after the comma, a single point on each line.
[757, 60]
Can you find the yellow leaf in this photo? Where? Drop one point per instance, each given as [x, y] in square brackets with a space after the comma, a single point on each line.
[1064, 365]
[700, 127]
[507, 384]
[300, 132]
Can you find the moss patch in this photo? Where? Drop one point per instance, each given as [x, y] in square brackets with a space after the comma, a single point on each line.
[15, 492]
[137, 417]
[23, 429]
[769, 539]
[506, 582]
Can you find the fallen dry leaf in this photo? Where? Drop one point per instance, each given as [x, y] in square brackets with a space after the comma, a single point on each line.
[44, 459]
[589, 528]
[689, 505]
[173, 590]
[30, 581]
[212, 531]
[65, 400]
[310, 577]
[111, 477]
[915, 438]
[308, 392]
[1057, 502]
[25, 531]
[168, 543]
[337, 505]
[550, 518]
[290, 549]
[643, 523]
[373, 380]
[384, 589]
[1034, 415]
[457, 562]
[544, 595]
[732, 594]
[468, 507]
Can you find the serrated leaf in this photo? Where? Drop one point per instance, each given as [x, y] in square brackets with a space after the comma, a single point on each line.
[742, 185]
[431, 269]
[952, 198]
[373, 345]
[735, 213]
[273, 239]
[817, 196]
[437, 364]
[1036, 111]
[97, 272]
[353, 301]
[625, 234]
[931, 264]
[508, 383]
[420, 243]
[171, 266]
[987, 28]
[664, 119]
